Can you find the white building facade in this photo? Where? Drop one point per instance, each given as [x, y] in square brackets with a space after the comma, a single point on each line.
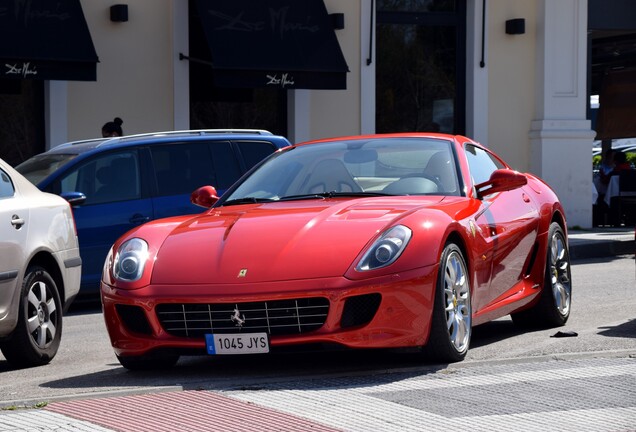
[522, 92]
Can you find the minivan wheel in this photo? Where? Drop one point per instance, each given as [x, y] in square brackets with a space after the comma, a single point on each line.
[37, 335]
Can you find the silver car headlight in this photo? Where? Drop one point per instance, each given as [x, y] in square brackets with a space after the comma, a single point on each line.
[130, 260]
[386, 249]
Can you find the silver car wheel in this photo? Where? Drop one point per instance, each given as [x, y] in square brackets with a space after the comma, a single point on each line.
[457, 301]
[560, 274]
[41, 315]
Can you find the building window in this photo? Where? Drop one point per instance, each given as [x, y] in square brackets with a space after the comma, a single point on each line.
[420, 69]
[21, 119]
[215, 107]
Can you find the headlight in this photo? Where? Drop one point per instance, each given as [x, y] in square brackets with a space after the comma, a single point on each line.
[130, 260]
[386, 249]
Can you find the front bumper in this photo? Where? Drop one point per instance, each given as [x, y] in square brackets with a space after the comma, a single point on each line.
[387, 312]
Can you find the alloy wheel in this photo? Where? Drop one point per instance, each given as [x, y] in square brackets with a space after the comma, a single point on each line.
[42, 315]
[457, 301]
[560, 274]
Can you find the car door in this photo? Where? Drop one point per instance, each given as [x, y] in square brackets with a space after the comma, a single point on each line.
[116, 201]
[508, 223]
[14, 215]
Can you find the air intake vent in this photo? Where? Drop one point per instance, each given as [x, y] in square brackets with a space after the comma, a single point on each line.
[360, 310]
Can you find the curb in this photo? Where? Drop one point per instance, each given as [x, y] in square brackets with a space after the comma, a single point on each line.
[601, 249]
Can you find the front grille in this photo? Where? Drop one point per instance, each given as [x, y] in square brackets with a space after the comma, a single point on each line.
[278, 317]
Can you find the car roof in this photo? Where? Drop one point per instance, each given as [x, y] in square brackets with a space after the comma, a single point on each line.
[434, 135]
[83, 146]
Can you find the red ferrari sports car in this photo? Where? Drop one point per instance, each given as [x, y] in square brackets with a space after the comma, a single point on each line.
[380, 241]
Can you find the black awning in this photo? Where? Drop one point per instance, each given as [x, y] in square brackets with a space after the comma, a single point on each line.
[288, 44]
[48, 40]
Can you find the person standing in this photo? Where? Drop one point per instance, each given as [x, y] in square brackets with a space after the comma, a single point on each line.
[113, 128]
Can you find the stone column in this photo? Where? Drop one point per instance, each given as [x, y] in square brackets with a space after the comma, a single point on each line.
[561, 136]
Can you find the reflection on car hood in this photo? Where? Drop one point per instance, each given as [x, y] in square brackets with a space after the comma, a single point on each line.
[276, 241]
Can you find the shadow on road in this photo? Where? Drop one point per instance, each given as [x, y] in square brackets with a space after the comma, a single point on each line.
[286, 368]
[625, 330]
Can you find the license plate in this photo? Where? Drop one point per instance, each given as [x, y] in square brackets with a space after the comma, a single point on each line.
[243, 343]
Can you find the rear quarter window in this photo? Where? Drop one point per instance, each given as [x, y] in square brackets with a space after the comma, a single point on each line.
[226, 165]
[255, 151]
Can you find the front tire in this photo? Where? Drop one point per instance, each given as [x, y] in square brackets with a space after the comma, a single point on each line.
[451, 322]
[553, 307]
[37, 336]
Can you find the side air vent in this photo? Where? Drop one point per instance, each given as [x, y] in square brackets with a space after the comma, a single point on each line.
[360, 310]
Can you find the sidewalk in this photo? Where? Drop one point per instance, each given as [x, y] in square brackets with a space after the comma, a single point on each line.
[601, 242]
[566, 394]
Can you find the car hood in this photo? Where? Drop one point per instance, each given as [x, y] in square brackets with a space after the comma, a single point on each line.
[276, 241]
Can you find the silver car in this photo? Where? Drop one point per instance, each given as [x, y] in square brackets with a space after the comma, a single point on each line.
[40, 269]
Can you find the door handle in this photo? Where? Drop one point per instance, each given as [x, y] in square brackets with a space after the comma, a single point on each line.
[138, 219]
[526, 198]
[17, 221]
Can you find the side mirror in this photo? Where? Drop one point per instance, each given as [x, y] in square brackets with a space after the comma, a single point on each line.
[205, 196]
[74, 198]
[501, 180]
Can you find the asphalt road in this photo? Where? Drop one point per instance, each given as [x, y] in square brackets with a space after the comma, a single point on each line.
[603, 312]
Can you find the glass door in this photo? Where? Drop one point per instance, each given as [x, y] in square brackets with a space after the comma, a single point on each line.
[420, 69]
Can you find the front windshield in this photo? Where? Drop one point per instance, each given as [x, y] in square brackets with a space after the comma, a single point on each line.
[41, 166]
[373, 166]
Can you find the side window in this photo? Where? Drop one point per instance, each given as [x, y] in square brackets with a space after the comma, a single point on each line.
[225, 164]
[181, 168]
[6, 186]
[481, 163]
[106, 178]
[255, 151]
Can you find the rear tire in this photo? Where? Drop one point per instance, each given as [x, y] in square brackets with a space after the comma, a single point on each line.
[36, 338]
[553, 307]
[451, 322]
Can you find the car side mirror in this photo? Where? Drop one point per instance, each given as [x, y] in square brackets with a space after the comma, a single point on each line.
[74, 198]
[205, 196]
[501, 180]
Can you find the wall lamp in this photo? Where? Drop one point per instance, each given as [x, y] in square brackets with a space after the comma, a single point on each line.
[337, 21]
[516, 26]
[119, 13]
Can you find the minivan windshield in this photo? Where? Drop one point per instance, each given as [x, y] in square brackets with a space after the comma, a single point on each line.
[41, 166]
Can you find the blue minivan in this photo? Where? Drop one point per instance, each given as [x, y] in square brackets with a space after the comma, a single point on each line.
[115, 184]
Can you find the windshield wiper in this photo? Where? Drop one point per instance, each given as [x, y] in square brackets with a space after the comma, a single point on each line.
[247, 200]
[332, 194]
